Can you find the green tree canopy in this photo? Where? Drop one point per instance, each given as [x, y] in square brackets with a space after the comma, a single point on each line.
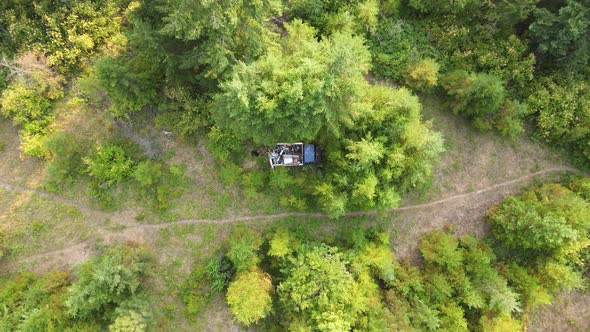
[248, 296]
[67, 33]
[208, 37]
[564, 35]
[387, 151]
[320, 290]
[563, 113]
[106, 281]
[545, 223]
[297, 88]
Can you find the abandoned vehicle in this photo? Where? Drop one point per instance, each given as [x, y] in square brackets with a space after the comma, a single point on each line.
[293, 154]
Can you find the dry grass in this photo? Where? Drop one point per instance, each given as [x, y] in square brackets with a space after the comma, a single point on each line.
[32, 224]
[570, 312]
[476, 159]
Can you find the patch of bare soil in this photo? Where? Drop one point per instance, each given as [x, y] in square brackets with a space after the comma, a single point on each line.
[570, 312]
[219, 318]
[13, 165]
[61, 259]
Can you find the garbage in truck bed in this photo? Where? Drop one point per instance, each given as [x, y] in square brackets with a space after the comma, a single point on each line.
[293, 154]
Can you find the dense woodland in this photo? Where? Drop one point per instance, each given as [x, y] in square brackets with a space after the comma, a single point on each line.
[348, 75]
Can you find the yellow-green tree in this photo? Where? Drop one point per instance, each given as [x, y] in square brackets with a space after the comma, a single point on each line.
[249, 296]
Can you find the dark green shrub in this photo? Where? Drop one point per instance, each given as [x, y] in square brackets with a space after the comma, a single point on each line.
[221, 271]
[197, 291]
[482, 99]
[130, 84]
[107, 281]
[243, 247]
[66, 162]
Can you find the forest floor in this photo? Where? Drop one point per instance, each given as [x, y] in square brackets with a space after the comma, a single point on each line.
[50, 231]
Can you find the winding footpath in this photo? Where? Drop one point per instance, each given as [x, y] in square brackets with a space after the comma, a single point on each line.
[85, 245]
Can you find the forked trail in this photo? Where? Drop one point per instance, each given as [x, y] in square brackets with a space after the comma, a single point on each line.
[85, 245]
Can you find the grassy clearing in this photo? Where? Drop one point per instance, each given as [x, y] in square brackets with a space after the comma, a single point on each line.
[31, 223]
[476, 159]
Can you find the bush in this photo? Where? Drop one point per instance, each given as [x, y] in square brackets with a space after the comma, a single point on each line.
[66, 162]
[422, 75]
[224, 145]
[220, 271]
[243, 247]
[482, 99]
[32, 303]
[109, 164]
[282, 244]
[107, 281]
[197, 290]
[29, 102]
[147, 173]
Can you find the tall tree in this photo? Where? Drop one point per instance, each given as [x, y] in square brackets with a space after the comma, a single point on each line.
[564, 35]
[208, 37]
[248, 296]
[320, 290]
[297, 88]
[385, 152]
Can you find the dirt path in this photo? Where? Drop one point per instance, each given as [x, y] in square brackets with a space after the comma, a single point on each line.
[234, 219]
[138, 232]
[57, 198]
